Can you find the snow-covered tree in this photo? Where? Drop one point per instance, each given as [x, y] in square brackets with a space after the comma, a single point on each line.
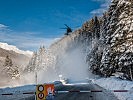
[15, 73]
[41, 59]
[8, 66]
[32, 63]
[117, 35]
[96, 28]
[113, 51]
[11, 71]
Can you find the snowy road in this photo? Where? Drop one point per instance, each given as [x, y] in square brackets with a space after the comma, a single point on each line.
[81, 96]
[61, 96]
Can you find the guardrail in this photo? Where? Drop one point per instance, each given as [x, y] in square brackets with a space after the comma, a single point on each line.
[92, 91]
[68, 92]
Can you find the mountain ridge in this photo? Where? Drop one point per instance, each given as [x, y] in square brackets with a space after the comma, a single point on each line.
[15, 49]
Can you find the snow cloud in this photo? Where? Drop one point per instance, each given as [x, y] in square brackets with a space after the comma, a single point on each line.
[23, 40]
[103, 7]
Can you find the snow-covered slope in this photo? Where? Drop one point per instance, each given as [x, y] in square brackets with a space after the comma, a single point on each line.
[18, 59]
[114, 83]
[64, 57]
[15, 49]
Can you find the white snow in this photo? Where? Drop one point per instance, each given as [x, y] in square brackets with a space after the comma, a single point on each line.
[17, 92]
[15, 49]
[123, 2]
[20, 88]
[131, 27]
[123, 15]
[114, 83]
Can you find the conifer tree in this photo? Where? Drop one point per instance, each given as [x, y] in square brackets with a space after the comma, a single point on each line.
[11, 71]
[96, 28]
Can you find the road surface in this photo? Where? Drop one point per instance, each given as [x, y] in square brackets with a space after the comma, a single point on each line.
[81, 96]
[70, 95]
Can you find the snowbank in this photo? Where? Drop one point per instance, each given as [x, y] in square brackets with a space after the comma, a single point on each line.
[117, 84]
[25, 88]
[17, 92]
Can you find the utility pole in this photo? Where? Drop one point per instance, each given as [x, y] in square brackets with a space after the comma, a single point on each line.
[35, 82]
[36, 77]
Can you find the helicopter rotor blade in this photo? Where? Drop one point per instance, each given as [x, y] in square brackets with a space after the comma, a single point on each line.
[66, 25]
[63, 28]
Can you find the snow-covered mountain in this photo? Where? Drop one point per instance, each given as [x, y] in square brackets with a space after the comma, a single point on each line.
[12, 62]
[15, 49]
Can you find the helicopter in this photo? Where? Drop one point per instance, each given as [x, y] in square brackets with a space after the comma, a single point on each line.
[68, 29]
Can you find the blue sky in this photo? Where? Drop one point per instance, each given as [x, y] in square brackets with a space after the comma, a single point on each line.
[30, 23]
